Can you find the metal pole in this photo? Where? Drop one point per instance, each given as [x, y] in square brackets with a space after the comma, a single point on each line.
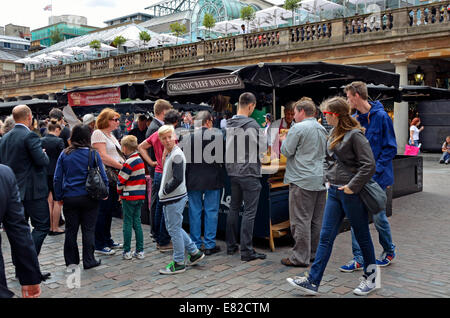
[273, 104]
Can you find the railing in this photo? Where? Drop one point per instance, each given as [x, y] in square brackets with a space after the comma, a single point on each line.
[59, 71]
[429, 14]
[100, 65]
[121, 61]
[310, 32]
[152, 56]
[183, 52]
[262, 39]
[404, 21]
[220, 46]
[25, 76]
[10, 78]
[39, 74]
[78, 68]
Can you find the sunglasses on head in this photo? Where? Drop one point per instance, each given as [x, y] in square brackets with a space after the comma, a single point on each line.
[330, 113]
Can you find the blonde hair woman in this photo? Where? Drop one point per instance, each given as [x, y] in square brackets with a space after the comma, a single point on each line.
[109, 149]
[350, 165]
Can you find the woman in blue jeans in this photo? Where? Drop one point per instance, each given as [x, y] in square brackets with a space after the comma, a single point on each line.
[350, 165]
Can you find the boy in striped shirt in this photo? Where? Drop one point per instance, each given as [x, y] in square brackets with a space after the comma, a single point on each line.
[132, 190]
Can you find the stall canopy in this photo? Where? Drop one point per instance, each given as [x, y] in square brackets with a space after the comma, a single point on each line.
[287, 80]
[99, 95]
[423, 93]
[38, 106]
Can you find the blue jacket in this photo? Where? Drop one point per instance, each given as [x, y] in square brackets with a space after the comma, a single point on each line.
[71, 174]
[381, 136]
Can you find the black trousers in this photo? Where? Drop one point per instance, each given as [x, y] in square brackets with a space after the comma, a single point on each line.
[78, 211]
[39, 213]
[107, 209]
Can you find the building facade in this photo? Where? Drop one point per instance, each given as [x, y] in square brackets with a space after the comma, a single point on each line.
[14, 45]
[68, 31]
[129, 18]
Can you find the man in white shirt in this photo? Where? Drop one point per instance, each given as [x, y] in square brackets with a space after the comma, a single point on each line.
[277, 126]
[243, 31]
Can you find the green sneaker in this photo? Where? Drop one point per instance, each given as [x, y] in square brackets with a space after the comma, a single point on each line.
[173, 268]
[193, 259]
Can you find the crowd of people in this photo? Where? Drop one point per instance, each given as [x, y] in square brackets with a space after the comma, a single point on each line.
[51, 174]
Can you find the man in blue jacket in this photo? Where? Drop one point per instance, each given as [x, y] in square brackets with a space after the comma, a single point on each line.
[381, 136]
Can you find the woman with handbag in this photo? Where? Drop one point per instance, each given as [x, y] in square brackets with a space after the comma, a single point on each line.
[70, 190]
[414, 132]
[350, 165]
[109, 149]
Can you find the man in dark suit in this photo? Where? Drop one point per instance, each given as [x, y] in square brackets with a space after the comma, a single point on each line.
[21, 150]
[18, 231]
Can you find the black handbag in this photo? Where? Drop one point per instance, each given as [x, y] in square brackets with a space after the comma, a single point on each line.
[95, 186]
[373, 197]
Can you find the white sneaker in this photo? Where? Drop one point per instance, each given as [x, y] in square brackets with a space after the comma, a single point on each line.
[127, 255]
[365, 287]
[139, 255]
[105, 251]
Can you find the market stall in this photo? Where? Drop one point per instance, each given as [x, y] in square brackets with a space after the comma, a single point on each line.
[273, 84]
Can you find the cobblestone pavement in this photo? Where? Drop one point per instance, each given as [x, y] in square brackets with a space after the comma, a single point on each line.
[420, 226]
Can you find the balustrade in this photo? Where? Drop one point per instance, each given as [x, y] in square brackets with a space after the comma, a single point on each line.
[433, 13]
[26, 76]
[309, 32]
[100, 65]
[262, 39]
[153, 56]
[78, 68]
[39, 74]
[220, 46]
[10, 78]
[122, 61]
[59, 71]
[184, 51]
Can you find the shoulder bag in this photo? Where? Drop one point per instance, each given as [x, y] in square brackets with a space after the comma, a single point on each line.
[95, 186]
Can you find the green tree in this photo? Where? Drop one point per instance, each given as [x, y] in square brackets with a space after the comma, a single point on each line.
[209, 22]
[248, 14]
[56, 36]
[119, 41]
[292, 5]
[95, 44]
[178, 29]
[145, 37]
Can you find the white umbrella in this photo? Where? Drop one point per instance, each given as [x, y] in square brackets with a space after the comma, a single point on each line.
[274, 12]
[106, 48]
[78, 50]
[59, 54]
[45, 58]
[169, 39]
[27, 60]
[226, 27]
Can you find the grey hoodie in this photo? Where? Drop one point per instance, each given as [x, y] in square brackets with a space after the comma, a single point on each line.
[245, 142]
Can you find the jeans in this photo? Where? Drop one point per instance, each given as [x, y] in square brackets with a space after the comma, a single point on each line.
[39, 213]
[173, 213]
[445, 156]
[78, 211]
[105, 212]
[384, 236]
[132, 220]
[247, 190]
[160, 231]
[415, 143]
[339, 205]
[211, 204]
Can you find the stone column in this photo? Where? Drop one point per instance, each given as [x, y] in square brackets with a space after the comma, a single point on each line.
[401, 109]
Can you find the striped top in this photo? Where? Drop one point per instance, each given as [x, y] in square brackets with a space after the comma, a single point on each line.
[131, 185]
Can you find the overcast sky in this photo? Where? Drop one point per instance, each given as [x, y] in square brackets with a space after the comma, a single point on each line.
[31, 12]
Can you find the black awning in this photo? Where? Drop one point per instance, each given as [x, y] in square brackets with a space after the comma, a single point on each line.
[413, 93]
[281, 75]
[127, 90]
[37, 106]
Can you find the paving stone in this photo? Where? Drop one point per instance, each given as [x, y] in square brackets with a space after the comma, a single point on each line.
[341, 290]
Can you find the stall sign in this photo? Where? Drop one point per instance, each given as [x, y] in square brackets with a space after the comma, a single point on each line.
[95, 97]
[204, 84]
